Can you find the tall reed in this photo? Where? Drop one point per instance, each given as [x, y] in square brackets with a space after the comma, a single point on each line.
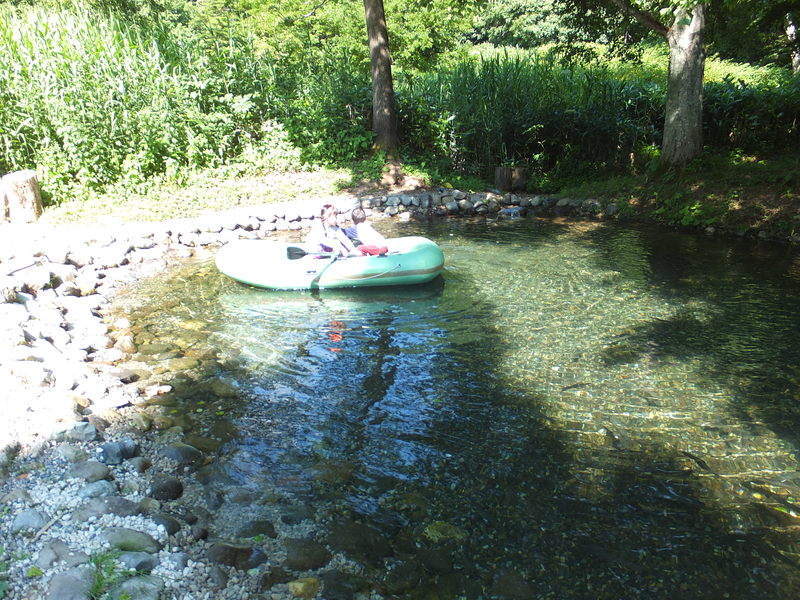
[89, 98]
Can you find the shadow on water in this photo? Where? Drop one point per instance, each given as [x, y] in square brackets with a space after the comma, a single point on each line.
[390, 418]
[738, 317]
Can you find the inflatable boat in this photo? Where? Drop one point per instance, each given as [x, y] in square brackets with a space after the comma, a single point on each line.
[269, 264]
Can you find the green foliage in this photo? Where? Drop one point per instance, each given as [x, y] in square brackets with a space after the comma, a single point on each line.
[328, 113]
[734, 190]
[520, 23]
[420, 31]
[4, 566]
[34, 571]
[89, 97]
[653, 65]
[134, 95]
[531, 111]
[556, 118]
[107, 572]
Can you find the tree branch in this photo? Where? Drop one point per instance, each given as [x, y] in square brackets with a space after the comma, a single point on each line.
[644, 17]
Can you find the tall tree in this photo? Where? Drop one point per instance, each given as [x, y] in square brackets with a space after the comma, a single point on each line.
[794, 41]
[681, 24]
[384, 114]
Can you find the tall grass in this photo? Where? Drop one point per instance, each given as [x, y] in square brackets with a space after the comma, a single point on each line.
[89, 98]
[528, 110]
[558, 118]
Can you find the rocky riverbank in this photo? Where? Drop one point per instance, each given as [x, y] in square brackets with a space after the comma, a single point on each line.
[105, 494]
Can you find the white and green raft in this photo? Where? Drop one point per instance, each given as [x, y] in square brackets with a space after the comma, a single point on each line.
[267, 264]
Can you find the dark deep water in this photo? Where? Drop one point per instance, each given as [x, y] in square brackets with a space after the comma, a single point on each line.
[572, 411]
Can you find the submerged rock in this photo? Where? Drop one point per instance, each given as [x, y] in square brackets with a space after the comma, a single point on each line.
[223, 389]
[402, 577]
[170, 524]
[511, 585]
[258, 527]
[359, 541]
[305, 587]
[439, 531]
[166, 488]
[305, 554]
[184, 454]
[240, 556]
[342, 586]
[271, 577]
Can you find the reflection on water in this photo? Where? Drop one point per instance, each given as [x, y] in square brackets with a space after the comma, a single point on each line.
[573, 411]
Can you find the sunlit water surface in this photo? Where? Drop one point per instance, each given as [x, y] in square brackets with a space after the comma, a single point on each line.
[572, 411]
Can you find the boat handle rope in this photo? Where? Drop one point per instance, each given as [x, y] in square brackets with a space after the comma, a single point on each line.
[395, 268]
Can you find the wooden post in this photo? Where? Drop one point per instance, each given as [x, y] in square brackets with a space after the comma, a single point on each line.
[20, 197]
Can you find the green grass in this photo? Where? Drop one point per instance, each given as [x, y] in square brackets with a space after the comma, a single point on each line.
[653, 64]
[198, 192]
[735, 191]
[107, 572]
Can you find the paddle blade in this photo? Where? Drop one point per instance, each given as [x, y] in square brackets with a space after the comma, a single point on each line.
[293, 253]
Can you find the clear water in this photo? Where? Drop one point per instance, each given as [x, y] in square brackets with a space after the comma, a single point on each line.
[572, 411]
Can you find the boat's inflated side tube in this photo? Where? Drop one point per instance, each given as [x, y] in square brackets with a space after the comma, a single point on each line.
[265, 264]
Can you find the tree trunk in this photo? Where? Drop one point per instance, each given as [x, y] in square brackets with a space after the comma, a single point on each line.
[794, 42]
[20, 198]
[384, 116]
[683, 125]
